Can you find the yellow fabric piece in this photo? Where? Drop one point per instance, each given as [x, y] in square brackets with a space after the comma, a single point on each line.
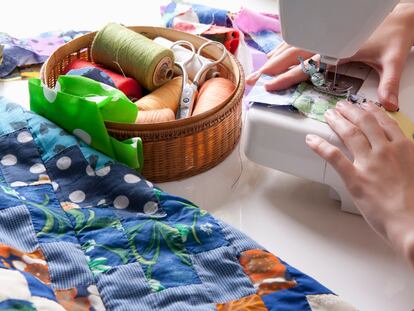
[406, 125]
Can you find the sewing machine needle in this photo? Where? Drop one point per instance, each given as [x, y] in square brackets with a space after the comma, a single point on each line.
[334, 81]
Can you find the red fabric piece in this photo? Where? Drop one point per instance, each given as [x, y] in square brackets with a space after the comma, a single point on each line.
[128, 86]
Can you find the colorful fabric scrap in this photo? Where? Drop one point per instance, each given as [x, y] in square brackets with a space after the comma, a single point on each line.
[266, 271]
[29, 51]
[96, 239]
[81, 105]
[261, 30]
[249, 303]
[312, 103]
[214, 24]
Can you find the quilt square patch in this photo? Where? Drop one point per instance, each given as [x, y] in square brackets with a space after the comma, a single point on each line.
[199, 230]
[79, 184]
[48, 218]
[160, 250]
[102, 238]
[20, 160]
[12, 117]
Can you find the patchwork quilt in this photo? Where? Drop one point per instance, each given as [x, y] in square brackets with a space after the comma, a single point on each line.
[80, 231]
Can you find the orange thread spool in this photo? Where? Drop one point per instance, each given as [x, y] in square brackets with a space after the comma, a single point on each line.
[155, 116]
[213, 93]
[166, 96]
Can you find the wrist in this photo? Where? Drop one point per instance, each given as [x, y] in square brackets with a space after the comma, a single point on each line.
[400, 234]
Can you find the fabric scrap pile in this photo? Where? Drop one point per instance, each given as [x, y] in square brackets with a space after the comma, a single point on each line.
[22, 57]
[260, 30]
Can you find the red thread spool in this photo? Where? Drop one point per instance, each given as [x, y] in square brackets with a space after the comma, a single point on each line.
[128, 86]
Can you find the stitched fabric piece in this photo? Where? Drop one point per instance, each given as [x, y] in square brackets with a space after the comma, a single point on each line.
[225, 281]
[80, 185]
[68, 266]
[249, 303]
[49, 220]
[102, 238]
[16, 228]
[20, 161]
[266, 271]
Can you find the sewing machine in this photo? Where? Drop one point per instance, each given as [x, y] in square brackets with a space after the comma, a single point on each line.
[334, 29]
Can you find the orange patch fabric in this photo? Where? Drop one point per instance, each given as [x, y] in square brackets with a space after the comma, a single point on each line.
[249, 303]
[70, 300]
[266, 271]
[33, 263]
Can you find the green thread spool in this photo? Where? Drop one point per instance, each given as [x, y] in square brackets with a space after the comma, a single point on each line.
[134, 55]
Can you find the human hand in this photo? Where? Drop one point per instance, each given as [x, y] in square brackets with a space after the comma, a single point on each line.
[380, 178]
[386, 51]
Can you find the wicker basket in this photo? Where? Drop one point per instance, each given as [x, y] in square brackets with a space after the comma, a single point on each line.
[176, 149]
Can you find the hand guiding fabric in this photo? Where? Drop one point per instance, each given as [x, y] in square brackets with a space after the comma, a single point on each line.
[380, 178]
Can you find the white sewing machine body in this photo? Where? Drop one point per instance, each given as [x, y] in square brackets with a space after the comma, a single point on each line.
[275, 137]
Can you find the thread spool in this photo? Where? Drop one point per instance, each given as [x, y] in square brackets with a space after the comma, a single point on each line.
[133, 54]
[155, 116]
[166, 96]
[128, 86]
[181, 54]
[213, 93]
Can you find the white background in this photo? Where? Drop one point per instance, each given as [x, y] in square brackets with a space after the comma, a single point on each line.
[292, 217]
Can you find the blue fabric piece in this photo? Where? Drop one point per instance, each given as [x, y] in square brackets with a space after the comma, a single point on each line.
[238, 239]
[16, 305]
[52, 140]
[134, 292]
[49, 220]
[104, 186]
[192, 297]
[102, 238]
[209, 15]
[12, 117]
[38, 288]
[225, 281]
[199, 229]
[96, 159]
[67, 264]
[16, 228]
[20, 161]
[294, 298]
[264, 41]
[48, 136]
[160, 250]
[7, 65]
[94, 74]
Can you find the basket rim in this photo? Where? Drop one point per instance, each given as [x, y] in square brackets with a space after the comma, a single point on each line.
[181, 125]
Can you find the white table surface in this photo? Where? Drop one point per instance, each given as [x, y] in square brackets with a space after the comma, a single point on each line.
[291, 217]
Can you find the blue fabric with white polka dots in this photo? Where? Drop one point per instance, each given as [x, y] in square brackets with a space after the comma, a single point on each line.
[102, 223]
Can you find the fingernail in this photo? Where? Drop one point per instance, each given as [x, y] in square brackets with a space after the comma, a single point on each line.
[330, 113]
[254, 76]
[340, 104]
[392, 103]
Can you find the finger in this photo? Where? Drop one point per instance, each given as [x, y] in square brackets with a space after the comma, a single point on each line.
[283, 61]
[365, 121]
[333, 156]
[390, 127]
[283, 46]
[287, 79]
[388, 88]
[353, 138]
[252, 78]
